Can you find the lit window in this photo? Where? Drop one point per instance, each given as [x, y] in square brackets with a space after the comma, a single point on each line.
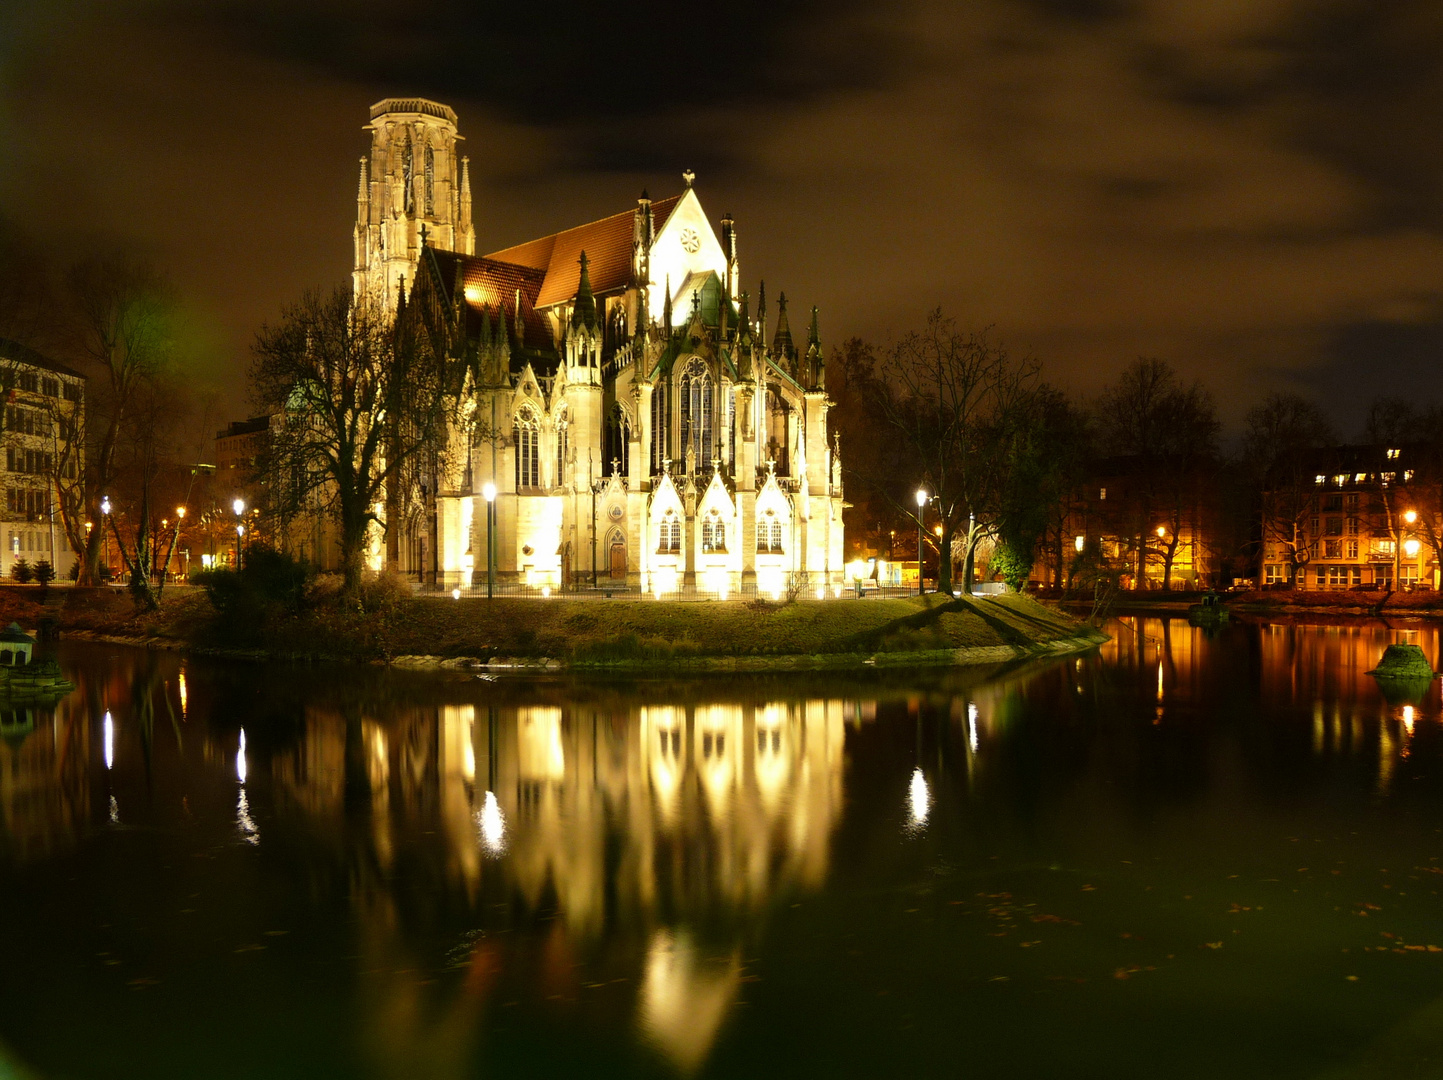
[1387, 478]
[1102, 494]
[1319, 478]
[1407, 475]
[1393, 454]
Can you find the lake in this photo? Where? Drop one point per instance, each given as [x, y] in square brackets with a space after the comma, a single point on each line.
[1186, 854]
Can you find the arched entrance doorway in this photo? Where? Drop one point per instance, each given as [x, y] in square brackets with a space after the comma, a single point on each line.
[616, 555]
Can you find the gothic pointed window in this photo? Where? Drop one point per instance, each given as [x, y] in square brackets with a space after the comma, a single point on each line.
[408, 168]
[561, 453]
[430, 179]
[776, 536]
[660, 425]
[618, 442]
[696, 414]
[528, 451]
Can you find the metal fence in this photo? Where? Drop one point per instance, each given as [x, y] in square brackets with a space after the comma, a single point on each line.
[800, 587]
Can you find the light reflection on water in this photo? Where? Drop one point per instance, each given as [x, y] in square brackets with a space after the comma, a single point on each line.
[651, 880]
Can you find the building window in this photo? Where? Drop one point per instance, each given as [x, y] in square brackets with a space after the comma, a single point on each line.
[696, 414]
[1333, 502]
[1335, 526]
[528, 451]
[713, 533]
[561, 446]
[660, 425]
[1274, 574]
[1393, 454]
[430, 179]
[669, 535]
[769, 534]
[1352, 549]
[1102, 494]
[1333, 549]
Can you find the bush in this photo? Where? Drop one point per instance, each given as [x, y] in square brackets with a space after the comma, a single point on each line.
[44, 572]
[269, 582]
[74, 574]
[1013, 563]
[22, 572]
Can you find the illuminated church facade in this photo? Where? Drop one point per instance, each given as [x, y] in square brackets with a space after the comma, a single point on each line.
[637, 417]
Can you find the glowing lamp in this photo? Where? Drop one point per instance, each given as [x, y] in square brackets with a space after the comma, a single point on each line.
[180, 512]
[1410, 548]
[455, 594]
[240, 530]
[921, 498]
[105, 505]
[239, 506]
[1161, 531]
[489, 492]
[1410, 516]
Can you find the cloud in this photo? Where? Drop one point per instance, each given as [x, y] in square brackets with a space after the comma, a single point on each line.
[1250, 188]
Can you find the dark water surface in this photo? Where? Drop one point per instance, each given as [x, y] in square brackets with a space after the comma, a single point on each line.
[1185, 856]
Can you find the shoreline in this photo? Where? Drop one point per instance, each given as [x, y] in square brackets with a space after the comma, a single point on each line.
[527, 638]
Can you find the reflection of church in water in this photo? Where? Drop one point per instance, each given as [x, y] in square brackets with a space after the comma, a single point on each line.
[635, 411]
[650, 820]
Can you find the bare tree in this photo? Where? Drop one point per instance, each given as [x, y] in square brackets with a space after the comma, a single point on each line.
[1284, 434]
[124, 337]
[363, 398]
[1169, 431]
[950, 398]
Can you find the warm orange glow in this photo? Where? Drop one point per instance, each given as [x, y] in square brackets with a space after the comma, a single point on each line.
[1410, 516]
[1162, 530]
[180, 512]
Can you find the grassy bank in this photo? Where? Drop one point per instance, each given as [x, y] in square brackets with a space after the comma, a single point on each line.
[598, 634]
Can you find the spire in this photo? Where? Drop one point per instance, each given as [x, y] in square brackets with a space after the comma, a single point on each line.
[744, 321]
[816, 367]
[583, 312]
[666, 305]
[458, 297]
[744, 340]
[363, 195]
[520, 327]
[465, 209]
[484, 337]
[762, 313]
[782, 346]
[400, 297]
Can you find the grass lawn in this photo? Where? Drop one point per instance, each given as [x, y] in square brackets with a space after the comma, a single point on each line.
[591, 632]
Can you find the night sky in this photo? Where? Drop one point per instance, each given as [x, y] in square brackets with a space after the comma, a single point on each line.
[1252, 189]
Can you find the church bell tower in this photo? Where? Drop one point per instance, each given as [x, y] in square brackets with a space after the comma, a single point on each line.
[413, 180]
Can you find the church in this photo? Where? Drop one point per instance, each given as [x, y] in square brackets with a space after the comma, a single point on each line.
[640, 420]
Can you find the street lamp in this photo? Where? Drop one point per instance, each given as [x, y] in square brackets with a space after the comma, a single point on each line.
[104, 520]
[921, 504]
[239, 506]
[489, 493]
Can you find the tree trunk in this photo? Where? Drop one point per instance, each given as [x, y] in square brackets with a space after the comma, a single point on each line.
[944, 560]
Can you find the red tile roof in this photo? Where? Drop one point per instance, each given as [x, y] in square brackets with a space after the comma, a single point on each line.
[490, 283]
[607, 244]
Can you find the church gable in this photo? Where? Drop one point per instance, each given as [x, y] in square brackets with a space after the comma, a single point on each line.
[684, 246]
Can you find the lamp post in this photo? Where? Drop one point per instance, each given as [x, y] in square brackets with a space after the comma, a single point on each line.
[1409, 517]
[489, 492]
[921, 505]
[104, 521]
[239, 506]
